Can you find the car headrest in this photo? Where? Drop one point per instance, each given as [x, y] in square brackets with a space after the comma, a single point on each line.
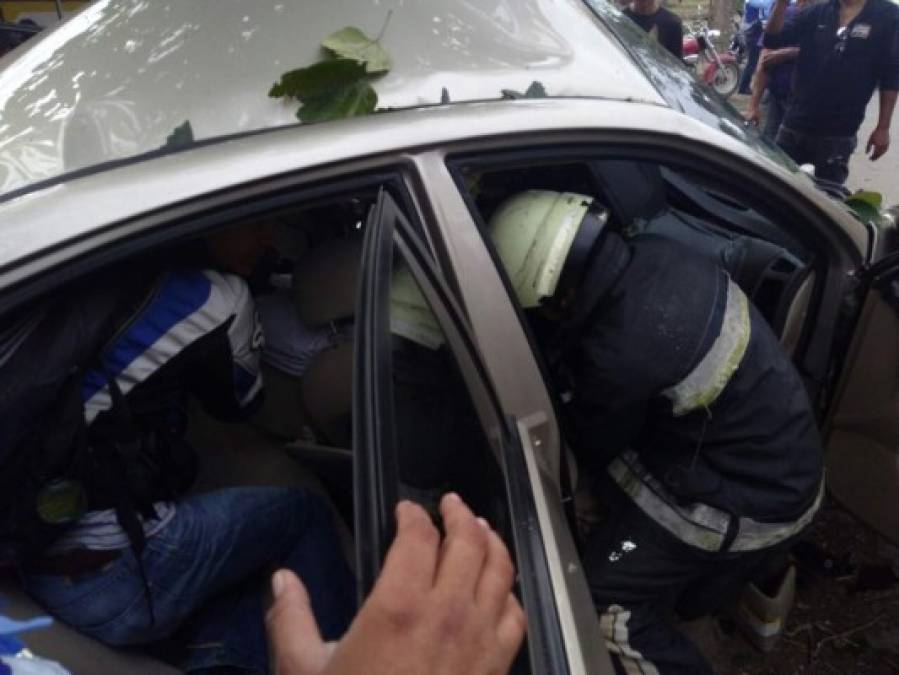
[636, 189]
[325, 281]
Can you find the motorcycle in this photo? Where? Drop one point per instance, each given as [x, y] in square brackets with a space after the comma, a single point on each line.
[719, 70]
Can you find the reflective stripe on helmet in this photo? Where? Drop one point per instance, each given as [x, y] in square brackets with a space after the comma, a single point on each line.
[708, 379]
[533, 232]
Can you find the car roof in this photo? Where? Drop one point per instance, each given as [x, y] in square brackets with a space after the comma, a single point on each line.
[117, 79]
[62, 220]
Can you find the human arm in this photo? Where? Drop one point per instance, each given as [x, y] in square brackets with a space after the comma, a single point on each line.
[612, 383]
[879, 141]
[226, 374]
[777, 19]
[759, 85]
[440, 608]
[775, 57]
[792, 28]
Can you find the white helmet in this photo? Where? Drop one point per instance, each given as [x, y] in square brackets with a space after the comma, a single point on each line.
[534, 232]
[538, 235]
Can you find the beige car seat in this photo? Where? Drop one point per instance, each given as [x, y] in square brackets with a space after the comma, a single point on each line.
[325, 284]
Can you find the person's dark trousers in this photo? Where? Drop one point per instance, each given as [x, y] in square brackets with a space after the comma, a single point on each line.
[753, 51]
[641, 576]
[775, 111]
[829, 154]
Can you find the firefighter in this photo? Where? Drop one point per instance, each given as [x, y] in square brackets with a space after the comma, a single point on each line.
[679, 402]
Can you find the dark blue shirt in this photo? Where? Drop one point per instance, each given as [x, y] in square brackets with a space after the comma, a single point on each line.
[836, 77]
[780, 77]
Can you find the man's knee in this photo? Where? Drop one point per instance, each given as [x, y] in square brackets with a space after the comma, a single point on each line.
[793, 144]
[833, 164]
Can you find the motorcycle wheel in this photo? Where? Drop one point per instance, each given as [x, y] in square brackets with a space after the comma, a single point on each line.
[727, 79]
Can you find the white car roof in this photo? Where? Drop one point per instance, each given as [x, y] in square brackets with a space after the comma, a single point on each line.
[102, 203]
[117, 79]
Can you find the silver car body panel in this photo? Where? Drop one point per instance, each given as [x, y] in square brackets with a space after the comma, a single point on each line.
[115, 80]
[519, 386]
[48, 217]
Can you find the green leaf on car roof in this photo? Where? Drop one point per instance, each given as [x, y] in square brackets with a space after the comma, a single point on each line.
[329, 90]
[181, 137]
[866, 212]
[874, 199]
[318, 79]
[352, 100]
[866, 205]
[536, 90]
[340, 85]
[351, 43]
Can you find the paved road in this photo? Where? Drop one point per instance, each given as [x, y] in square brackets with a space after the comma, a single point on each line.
[883, 175]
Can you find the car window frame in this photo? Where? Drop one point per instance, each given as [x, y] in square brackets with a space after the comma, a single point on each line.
[387, 232]
[836, 256]
[68, 260]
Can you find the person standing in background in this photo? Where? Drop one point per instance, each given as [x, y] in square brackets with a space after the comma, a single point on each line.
[847, 49]
[775, 75]
[663, 25]
[754, 13]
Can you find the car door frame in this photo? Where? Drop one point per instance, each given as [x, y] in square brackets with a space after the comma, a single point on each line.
[843, 259]
[869, 493]
[389, 230]
[508, 354]
[182, 221]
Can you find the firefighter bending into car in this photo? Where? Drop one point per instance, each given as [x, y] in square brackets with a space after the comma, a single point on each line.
[690, 422]
[681, 403]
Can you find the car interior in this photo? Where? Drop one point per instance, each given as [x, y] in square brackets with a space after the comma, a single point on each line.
[772, 267]
[303, 434]
[644, 198]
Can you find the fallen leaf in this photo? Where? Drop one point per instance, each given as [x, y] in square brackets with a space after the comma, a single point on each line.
[329, 90]
[181, 137]
[351, 43]
[536, 90]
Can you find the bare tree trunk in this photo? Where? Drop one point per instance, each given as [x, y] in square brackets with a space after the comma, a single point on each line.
[721, 15]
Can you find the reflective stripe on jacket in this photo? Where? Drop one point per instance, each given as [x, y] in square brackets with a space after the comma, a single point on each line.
[676, 364]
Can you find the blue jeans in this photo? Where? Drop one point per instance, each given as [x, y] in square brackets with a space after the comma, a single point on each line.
[753, 52]
[207, 570]
[775, 111]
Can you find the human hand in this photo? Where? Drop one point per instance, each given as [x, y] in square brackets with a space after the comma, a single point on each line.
[754, 116]
[441, 609]
[878, 144]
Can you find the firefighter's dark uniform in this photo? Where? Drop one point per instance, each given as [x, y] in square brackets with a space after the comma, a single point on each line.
[700, 428]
